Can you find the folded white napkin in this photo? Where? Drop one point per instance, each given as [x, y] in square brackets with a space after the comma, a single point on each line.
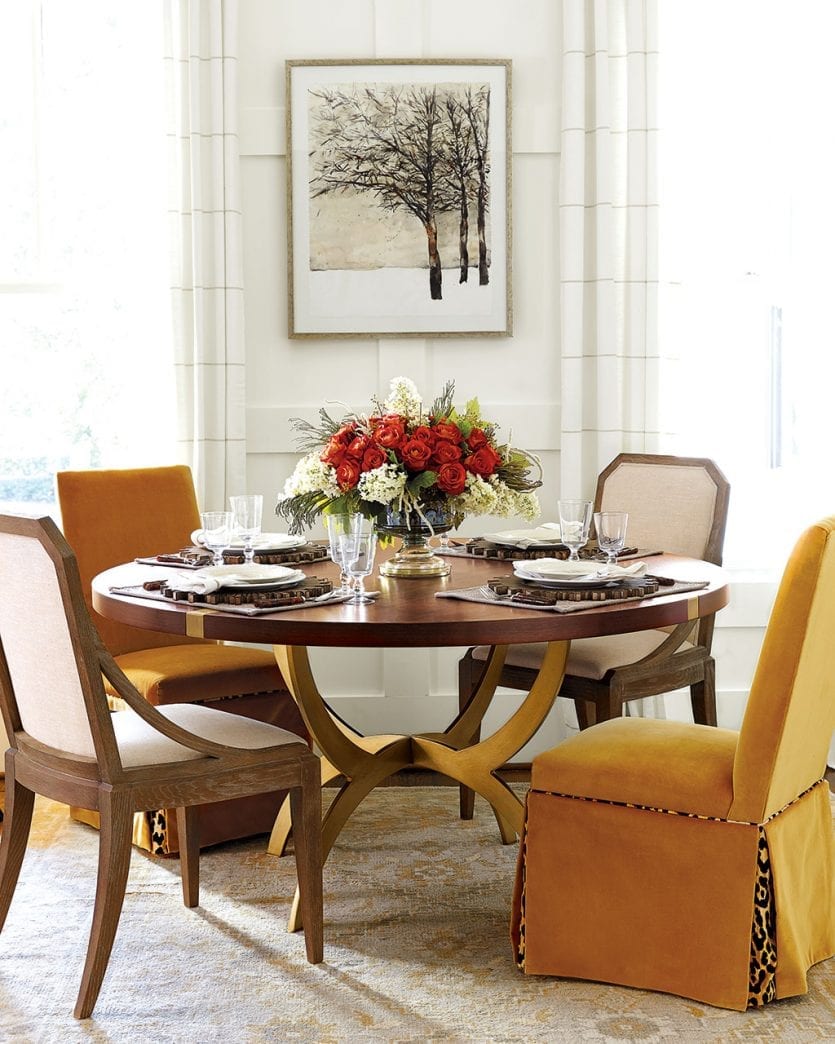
[212, 578]
[547, 533]
[565, 569]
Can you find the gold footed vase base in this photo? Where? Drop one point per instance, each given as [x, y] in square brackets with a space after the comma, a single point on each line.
[415, 558]
[415, 561]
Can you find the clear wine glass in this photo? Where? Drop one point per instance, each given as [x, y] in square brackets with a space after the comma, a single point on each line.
[358, 550]
[575, 522]
[338, 526]
[216, 533]
[246, 510]
[611, 533]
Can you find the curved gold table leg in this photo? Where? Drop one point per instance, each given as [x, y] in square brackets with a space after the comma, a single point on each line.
[366, 760]
[475, 765]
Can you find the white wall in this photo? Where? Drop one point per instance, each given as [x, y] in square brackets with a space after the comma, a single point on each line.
[516, 379]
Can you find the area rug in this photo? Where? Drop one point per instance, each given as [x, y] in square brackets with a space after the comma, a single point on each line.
[416, 948]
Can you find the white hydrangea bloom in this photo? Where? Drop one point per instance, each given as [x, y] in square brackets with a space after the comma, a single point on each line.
[382, 485]
[528, 507]
[312, 475]
[479, 498]
[404, 398]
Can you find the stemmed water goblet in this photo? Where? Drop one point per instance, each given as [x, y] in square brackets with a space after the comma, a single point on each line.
[216, 534]
[246, 511]
[611, 533]
[337, 526]
[358, 551]
[575, 521]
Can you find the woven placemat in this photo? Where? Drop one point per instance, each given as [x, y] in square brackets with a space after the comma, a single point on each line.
[481, 548]
[248, 609]
[485, 595]
[198, 557]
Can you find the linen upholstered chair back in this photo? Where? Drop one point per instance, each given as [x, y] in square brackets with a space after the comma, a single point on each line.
[114, 516]
[672, 503]
[49, 676]
[790, 714]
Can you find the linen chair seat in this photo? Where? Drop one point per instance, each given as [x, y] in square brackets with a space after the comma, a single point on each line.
[690, 859]
[588, 657]
[114, 516]
[140, 744]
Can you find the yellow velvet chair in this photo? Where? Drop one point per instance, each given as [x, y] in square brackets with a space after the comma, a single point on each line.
[689, 859]
[114, 516]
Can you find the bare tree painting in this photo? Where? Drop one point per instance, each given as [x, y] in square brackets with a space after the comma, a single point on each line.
[420, 149]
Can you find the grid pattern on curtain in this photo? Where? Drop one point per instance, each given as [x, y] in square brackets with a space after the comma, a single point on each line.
[206, 243]
[608, 207]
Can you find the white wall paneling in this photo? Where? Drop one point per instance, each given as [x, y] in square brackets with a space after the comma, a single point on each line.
[517, 379]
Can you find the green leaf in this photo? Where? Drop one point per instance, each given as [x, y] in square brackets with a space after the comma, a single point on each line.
[423, 480]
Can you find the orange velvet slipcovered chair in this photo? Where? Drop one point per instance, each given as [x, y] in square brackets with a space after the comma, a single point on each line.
[114, 516]
[689, 859]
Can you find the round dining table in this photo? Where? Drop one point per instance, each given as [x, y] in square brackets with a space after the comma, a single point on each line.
[407, 614]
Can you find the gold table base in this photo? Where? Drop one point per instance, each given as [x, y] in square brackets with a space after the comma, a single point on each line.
[365, 761]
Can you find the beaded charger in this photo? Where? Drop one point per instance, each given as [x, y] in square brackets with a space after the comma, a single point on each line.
[530, 594]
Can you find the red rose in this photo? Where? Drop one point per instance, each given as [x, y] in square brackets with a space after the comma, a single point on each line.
[445, 430]
[348, 474]
[446, 452]
[423, 433]
[452, 478]
[476, 439]
[373, 458]
[415, 454]
[483, 462]
[390, 433]
[357, 447]
[333, 453]
[346, 432]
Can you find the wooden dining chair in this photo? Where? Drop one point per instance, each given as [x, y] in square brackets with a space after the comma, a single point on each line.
[68, 746]
[697, 861]
[115, 516]
[675, 504]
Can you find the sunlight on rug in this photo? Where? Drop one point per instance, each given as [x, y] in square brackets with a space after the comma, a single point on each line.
[416, 948]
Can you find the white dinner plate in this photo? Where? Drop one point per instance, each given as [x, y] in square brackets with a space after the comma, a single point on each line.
[541, 536]
[264, 542]
[554, 572]
[252, 575]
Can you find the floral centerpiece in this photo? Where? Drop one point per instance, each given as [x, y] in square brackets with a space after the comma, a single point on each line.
[408, 466]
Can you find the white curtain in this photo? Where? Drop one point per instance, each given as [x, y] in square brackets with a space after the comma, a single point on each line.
[206, 256]
[611, 372]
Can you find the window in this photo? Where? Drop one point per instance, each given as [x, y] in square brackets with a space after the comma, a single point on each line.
[747, 231]
[84, 303]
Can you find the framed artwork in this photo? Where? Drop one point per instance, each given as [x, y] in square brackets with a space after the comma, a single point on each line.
[398, 198]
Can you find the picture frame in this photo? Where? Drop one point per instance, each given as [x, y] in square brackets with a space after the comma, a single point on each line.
[399, 197]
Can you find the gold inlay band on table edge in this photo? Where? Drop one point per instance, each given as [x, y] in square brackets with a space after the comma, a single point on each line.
[194, 622]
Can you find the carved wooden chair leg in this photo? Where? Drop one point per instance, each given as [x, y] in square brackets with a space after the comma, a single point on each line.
[586, 713]
[114, 862]
[608, 705]
[189, 854]
[306, 806]
[468, 675]
[16, 823]
[703, 695]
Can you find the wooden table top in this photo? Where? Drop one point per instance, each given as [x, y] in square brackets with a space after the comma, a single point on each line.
[407, 613]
